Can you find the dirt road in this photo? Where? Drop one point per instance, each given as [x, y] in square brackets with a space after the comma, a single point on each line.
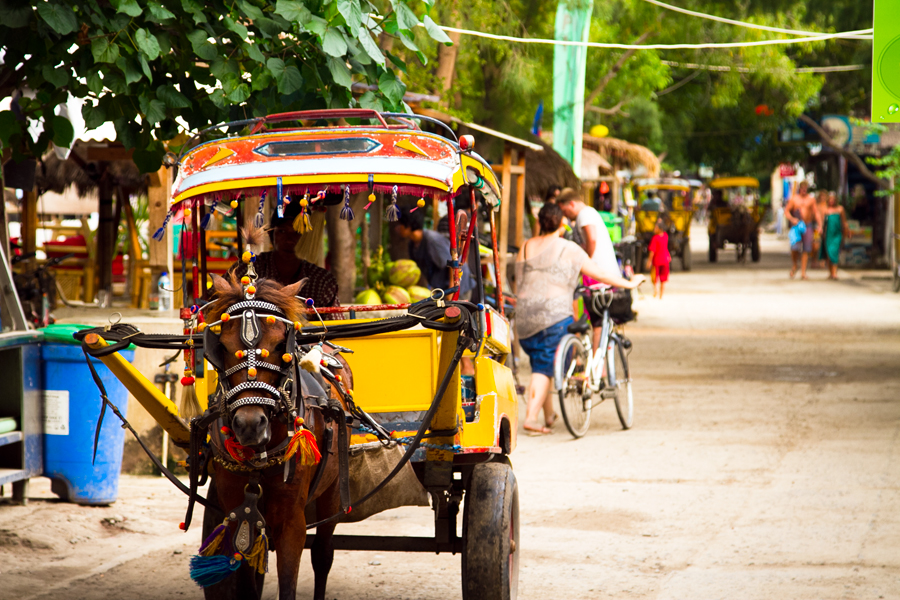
[763, 463]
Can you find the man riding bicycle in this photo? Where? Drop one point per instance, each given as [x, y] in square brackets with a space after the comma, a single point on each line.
[593, 237]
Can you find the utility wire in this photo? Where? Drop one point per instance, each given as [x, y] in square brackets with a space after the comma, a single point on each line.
[509, 38]
[831, 69]
[850, 34]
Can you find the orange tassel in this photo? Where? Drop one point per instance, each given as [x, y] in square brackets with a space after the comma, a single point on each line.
[304, 445]
[237, 452]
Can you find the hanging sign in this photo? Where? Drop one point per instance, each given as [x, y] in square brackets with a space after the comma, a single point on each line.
[885, 58]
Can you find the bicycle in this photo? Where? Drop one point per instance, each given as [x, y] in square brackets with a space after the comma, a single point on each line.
[37, 289]
[580, 373]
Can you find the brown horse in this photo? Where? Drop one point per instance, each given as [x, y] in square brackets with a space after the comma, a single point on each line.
[260, 427]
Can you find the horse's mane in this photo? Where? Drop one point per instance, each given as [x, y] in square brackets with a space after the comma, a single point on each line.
[267, 290]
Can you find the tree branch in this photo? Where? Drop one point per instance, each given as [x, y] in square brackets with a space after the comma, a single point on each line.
[615, 110]
[849, 155]
[595, 93]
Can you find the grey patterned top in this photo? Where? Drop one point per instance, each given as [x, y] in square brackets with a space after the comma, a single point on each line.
[547, 282]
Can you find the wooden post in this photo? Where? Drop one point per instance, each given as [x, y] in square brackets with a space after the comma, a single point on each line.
[29, 222]
[519, 236]
[158, 202]
[506, 182]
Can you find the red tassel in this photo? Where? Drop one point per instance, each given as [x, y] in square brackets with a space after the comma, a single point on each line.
[237, 452]
[304, 444]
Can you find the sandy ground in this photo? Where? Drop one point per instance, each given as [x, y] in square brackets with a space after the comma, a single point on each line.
[763, 464]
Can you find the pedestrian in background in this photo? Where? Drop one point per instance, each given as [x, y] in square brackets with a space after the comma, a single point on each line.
[801, 213]
[548, 270]
[659, 259]
[821, 201]
[834, 229]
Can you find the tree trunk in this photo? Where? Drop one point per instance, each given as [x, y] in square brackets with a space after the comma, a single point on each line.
[342, 245]
[447, 58]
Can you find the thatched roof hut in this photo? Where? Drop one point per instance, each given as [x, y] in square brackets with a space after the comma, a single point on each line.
[90, 164]
[545, 169]
[624, 154]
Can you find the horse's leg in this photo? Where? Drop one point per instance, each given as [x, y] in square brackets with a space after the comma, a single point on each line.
[329, 503]
[288, 523]
[245, 584]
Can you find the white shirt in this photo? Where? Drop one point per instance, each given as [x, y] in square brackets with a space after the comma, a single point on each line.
[604, 254]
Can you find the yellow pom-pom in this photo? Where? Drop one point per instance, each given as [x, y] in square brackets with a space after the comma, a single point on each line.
[337, 377]
[372, 198]
[297, 325]
[247, 256]
[239, 354]
[251, 289]
[245, 280]
[201, 327]
[251, 371]
[225, 317]
[187, 212]
[286, 357]
[234, 204]
[304, 202]
[421, 203]
[264, 353]
[271, 320]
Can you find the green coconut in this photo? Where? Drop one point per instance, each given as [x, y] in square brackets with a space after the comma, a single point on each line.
[403, 272]
[395, 295]
[417, 292]
[367, 298]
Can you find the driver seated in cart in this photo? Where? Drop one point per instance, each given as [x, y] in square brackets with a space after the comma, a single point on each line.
[283, 264]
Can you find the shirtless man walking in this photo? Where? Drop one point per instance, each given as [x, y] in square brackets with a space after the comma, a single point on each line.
[802, 207]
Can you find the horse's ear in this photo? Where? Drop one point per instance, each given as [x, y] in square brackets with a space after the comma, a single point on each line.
[294, 288]
[220, 284]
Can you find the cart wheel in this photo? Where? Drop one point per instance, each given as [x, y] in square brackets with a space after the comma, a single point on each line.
[754, 248]
[686, 255]
[713, 249]
[490, 556]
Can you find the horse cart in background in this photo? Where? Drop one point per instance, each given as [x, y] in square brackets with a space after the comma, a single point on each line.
[668, 199]
[734, 216]
[432, 432]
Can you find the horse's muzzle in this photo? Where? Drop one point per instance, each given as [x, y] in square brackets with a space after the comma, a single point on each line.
[251, 426]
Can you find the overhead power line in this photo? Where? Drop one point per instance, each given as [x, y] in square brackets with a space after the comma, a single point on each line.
[831, 69]
[850, 34]
[509, 38]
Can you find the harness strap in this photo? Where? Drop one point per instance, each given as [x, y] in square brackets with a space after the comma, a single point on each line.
[153, 458]
[254, 304]
[246, 364]
[250, 385]
[258, 400]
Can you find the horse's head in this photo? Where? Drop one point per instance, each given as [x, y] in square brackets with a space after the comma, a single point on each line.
[254, 343]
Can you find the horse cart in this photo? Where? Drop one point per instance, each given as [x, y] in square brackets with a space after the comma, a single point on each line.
[734, 216]
[303, 419]
[667, 199]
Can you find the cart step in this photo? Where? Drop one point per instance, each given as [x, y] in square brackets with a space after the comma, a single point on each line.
[10, 438]
[377, 543]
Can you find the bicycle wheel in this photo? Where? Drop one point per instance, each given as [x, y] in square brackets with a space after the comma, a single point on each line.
[572, 377]
[620, 380]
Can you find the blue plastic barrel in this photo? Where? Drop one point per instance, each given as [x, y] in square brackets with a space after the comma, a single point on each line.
[72, 405]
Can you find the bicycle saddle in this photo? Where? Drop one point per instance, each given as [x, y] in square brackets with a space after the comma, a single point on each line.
[580, 326]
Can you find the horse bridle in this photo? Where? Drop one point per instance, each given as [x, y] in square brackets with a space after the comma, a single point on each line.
[284, 397]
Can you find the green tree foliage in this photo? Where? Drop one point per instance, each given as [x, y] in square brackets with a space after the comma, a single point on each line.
[728, 119]
[157, 67]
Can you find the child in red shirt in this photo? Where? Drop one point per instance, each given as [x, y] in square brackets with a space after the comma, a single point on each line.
[659, 258]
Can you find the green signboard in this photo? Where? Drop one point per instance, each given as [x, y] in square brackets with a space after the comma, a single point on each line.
[886, 63]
